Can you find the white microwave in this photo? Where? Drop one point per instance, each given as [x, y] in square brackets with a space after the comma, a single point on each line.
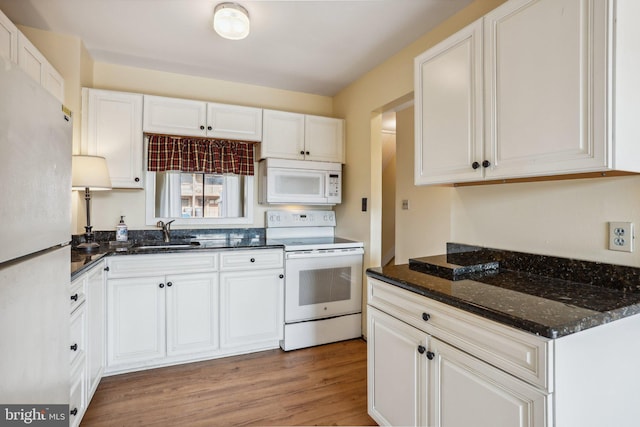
[300, 182]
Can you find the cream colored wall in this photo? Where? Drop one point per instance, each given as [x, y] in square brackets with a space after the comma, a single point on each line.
[129, 79]
[388, 201]
[560, 218]
[360, 104]
[424, 228]
[70, 57]
[108, 206]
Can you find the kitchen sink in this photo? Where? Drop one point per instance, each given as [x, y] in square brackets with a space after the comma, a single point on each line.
[181, 244]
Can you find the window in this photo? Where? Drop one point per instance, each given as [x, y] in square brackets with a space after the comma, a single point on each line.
[199, 198]
[195, 197]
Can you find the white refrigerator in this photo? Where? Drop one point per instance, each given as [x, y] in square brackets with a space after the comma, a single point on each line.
[35, 230]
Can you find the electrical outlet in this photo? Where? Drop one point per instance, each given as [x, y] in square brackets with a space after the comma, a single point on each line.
[621, 236]
[405, 204]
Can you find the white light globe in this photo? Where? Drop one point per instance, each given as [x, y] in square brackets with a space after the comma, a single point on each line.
[231, 21]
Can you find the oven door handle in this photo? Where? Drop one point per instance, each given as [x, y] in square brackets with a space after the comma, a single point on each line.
[324, 253]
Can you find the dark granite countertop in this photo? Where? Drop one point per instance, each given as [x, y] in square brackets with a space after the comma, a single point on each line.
[207, 240]
[524, 292]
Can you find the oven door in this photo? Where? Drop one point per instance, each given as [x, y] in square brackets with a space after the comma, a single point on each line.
[323, 283]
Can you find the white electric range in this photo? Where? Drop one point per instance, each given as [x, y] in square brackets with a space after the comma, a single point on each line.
[323, 278]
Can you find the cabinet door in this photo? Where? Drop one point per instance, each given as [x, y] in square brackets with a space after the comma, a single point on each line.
[282, 135]
[324, 139]
[30, 59]
[78, 337]
[234, 122]
[448, 110]
[397, 371]
[53, 82]
[8, 39]
[174, 116]
[135, 320]
[251, 308]
[112, 128]
[192, 313]
[468, 392]
[545, 73]
[97, 326]
[77, 397]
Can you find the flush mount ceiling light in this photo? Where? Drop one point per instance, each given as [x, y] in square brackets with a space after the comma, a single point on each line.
[231, 21]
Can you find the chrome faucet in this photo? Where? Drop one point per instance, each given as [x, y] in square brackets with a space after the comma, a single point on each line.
[166, 230]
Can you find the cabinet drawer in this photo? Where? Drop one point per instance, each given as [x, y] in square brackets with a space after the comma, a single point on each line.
[78, 336]
[78, 292]
[77, 399]
[154, 265]
[259, 258]
[519, 353]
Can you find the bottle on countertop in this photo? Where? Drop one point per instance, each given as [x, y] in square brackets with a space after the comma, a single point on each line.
[122, 234]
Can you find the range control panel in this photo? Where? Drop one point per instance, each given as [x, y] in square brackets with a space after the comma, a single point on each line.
[301, 219]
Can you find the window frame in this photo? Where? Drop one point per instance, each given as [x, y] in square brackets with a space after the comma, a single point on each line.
[150, 203]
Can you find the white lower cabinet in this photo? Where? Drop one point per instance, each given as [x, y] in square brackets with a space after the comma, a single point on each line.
[397, 371]
[468, 392]
[87, 339]
[416, 377]
[151, 318]
[136, 320]
[78, 396]
[251, 298]
[192, 313]
[96, 319]
[176, 308]
[251, 308]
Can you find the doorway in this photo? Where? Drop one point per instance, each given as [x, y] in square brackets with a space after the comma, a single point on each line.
[388, 140]
[390, 202]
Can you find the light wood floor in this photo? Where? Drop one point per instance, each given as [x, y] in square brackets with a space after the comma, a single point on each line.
[324, 385]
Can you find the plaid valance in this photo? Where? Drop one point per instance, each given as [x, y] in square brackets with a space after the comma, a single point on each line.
[175, 153]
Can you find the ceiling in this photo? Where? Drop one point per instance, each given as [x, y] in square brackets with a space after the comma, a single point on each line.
[317, 47]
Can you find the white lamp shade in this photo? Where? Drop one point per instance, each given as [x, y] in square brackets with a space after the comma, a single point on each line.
[231, 21]
[89, 172]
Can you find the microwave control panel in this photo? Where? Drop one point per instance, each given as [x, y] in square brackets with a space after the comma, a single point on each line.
[333, 186]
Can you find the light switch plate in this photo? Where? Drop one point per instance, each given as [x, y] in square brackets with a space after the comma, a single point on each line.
[621, 236]
[405, 204]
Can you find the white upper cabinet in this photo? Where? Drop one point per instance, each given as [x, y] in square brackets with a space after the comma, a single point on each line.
[30, 59]
[545, 79]
[33, 62]
[448, 101]
[302, 137]
[324, 139]
[54, 82]
[553, 70]
[174, 116]
[283, 135]
[8, 39]
[112, 128]
[234, 122]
